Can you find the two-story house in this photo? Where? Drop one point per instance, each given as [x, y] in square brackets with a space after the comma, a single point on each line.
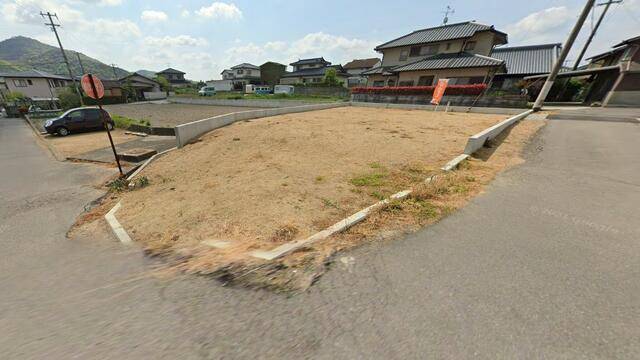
[459, 52]
[175, 77]
[310, 71]
[241, 75]
[356, 67]
[34, 84]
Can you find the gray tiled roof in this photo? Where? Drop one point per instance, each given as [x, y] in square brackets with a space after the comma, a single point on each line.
[32, 74]
[171, 71]
[246, 66]
[310, 61]
[528, 60]
[439, 33]
[450, 61]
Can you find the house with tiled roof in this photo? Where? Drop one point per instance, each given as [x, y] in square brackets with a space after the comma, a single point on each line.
[35, 84]
[522, 61]
[356, 67]
[241, 75]
[312, 71]
[175, 77]
[460, 52]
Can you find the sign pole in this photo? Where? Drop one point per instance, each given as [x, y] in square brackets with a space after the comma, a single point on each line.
[99, 101]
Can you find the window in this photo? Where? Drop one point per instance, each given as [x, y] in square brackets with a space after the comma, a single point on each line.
[317, 80]
[429, 50]
[425, 80]
[93, 115]
[20, 83]
[415, 51]
[378, 83]
[240, 71]
[406, 83]
[403, 55]
[248, 72]
[470, 45]
[448, 46]
[391, 82]
[30, 82]
[75, 115]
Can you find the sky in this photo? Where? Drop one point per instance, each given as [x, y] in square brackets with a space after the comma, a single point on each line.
[202, 38]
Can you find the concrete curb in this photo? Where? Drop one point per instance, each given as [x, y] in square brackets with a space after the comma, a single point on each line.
[186, 133]
[144, 165]
[44, 142]
[478, 140]
[116, 227]
[453, 164]
[340, 226]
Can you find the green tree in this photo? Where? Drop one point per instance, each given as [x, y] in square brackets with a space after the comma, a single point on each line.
[164, 83]
[331, 77]
[68, 98]
[12, 96]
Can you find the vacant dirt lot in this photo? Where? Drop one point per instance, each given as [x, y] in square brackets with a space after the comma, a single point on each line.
[170, 115]
[76, 144]
[264, 182]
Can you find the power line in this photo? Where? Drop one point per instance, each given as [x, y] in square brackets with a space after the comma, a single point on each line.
[446, 13]
[64, 55]
[594, 30]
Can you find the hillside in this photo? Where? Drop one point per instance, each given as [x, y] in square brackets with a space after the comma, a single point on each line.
[23, 53]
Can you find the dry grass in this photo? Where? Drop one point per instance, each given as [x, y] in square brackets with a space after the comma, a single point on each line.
[290, 176]
[76, 144]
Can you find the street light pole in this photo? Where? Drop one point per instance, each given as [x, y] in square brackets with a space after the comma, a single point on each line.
[537, 106]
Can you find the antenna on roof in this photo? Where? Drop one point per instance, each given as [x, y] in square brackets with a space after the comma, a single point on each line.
[446, 13]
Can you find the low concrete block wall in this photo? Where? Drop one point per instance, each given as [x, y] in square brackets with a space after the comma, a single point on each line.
[479, 110]
[157, 95]
[478, 140]
[186, 133]
[241, 103]
[506, 101]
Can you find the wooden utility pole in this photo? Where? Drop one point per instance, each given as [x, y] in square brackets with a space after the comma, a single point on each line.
[593, 31]
[537, 106]
[64, 55]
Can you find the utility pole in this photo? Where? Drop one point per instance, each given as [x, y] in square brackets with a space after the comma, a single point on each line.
[80, 62]
[64, 56]
[115, 75]
[563, 55]
[593, 31]
[446, 13]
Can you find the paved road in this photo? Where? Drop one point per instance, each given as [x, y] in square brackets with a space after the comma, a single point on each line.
[545, 264]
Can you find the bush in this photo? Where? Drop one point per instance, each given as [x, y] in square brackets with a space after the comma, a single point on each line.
[475, 89]
[69, 98]
[124, 122]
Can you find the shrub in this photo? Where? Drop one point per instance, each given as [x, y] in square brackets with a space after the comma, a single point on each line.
[69, 98]
[124, 122]
[474, 89]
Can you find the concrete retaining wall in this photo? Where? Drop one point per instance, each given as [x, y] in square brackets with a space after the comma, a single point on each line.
[478, 140]
[241, 103]
[505, 101]
[479, 110]
[186, 133]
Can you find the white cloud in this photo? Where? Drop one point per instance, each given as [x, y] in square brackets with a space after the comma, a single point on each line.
[220, 10]
[542, 26]
[28, 11]
[275, 46]
[185, 13]
[99, 2]
[174, 41]
[154, 16]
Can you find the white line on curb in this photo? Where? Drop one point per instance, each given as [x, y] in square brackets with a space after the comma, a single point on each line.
[335, 228]
[144, 165]
[117, 229]
[451, 165]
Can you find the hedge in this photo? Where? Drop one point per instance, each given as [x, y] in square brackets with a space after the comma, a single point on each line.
[474, 89]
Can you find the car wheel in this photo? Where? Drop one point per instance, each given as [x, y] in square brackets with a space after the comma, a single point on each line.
[62, 131]
[109, 126]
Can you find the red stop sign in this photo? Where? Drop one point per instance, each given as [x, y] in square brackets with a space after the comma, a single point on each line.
[88, 89]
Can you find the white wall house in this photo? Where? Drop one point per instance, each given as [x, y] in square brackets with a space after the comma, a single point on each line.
[34, 84]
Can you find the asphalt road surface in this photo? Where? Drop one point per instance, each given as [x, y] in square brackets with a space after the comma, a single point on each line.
[544, 264]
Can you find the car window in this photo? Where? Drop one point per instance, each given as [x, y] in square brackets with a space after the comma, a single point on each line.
[92, 115]
[75, 115]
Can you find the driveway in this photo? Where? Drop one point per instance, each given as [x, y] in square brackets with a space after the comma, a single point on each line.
[544, 264]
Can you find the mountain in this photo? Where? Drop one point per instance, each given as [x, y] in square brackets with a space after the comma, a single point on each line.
[22, 53]
[147, 73]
